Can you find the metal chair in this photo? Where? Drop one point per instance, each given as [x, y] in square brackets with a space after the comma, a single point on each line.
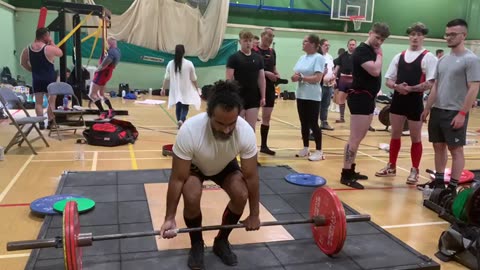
[61, 88]
[24, 125]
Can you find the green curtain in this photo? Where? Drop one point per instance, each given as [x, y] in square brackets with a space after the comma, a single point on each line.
[140, 55]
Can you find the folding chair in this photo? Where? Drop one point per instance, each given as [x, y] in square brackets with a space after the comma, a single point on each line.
[61, 88]
[24, 125]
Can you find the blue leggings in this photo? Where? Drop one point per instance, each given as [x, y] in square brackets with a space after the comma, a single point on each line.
[181, 111]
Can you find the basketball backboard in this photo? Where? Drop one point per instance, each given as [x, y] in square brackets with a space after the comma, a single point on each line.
[342, 10]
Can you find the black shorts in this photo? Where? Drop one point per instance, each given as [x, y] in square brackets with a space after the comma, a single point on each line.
[40, 86]
[440, 130]
[269, 95]
[250, 99]
[345, 83]
[361, 102]
[219, 178]
[410, 105]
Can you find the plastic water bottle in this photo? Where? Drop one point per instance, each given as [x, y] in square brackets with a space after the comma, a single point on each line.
[65, 102]
[123, 93]
[427, 191]
[79, 151]
[45, 101]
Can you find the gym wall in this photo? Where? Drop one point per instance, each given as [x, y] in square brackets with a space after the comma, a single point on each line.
[288, 44]
[397, 13]
[7, 45]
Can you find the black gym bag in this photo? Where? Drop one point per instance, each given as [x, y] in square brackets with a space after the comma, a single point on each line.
[113, 133]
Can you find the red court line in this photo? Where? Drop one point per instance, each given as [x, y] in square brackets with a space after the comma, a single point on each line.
[14, 205]
[5, 120]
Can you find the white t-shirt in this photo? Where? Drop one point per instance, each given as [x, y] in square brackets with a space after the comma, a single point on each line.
[181, 86]
[195, 141]
[429, 63]
[330, 66]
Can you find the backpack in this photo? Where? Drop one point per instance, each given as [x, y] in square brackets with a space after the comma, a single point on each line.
[113, 133]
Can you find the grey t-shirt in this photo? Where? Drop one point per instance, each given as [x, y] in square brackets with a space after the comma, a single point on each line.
[452, 75]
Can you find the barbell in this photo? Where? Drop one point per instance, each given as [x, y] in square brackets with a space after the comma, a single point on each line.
[327, 218]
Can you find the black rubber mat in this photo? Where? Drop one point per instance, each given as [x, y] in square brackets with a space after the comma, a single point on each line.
[122, 207]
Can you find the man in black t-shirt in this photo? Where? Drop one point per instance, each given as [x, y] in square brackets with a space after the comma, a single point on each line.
[271, 76]
[247, 68]
[367, 69]
[343, 67]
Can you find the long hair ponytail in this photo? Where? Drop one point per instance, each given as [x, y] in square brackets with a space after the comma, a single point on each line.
[179, 53]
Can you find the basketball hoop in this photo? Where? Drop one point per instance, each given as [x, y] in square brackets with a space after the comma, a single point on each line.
[357, 22]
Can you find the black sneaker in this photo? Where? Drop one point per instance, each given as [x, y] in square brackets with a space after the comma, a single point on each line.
[266, 150]
[222, 248]
[357, 175]
[195, 257]
[41, 125]
[348, 179]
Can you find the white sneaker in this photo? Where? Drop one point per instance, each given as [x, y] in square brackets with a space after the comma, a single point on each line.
[316, 156]
[413, 177]
[179, 124]
[303, 153]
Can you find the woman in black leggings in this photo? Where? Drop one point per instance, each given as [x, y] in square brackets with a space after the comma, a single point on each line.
[308, 73]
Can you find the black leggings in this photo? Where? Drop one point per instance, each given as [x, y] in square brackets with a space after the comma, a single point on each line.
[308, 111]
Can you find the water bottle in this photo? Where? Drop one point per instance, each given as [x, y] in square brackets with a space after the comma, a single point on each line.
[427, 191]
[45, 101]
[123, 93]
[65, 102]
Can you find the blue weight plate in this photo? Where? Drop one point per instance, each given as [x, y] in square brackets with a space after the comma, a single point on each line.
[304, 179]
[44, 206]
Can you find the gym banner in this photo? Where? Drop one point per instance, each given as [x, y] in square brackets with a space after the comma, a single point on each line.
[140, 55]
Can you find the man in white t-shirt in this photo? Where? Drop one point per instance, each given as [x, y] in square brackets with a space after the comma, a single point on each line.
[206, 147]
[410, 73]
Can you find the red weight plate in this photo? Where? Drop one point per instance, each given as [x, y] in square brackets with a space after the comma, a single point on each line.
[71, 229]
[467, 176]
[330, 237]
[167, 150]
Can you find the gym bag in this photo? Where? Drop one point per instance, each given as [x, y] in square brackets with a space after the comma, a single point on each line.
[113, 133]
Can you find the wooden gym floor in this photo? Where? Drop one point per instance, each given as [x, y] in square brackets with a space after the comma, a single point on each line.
[392, 204]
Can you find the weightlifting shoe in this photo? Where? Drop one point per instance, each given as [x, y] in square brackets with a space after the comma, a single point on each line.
[357, 175]
[222, 248]
[413, 177]
[389, 170]
[195, 257]
[348, 179]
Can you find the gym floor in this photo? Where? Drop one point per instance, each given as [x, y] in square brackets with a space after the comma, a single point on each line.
[392, 204]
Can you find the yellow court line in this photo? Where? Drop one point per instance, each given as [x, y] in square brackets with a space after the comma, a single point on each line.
[132, 157]
[11, 256]
[414, 225]
[15, 178]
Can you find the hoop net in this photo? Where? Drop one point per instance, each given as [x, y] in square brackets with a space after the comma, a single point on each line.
[357, 22]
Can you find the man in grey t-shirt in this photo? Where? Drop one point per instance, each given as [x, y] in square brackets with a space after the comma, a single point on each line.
[451, 98]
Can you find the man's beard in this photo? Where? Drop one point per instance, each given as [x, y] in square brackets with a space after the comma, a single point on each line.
[222, 136]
